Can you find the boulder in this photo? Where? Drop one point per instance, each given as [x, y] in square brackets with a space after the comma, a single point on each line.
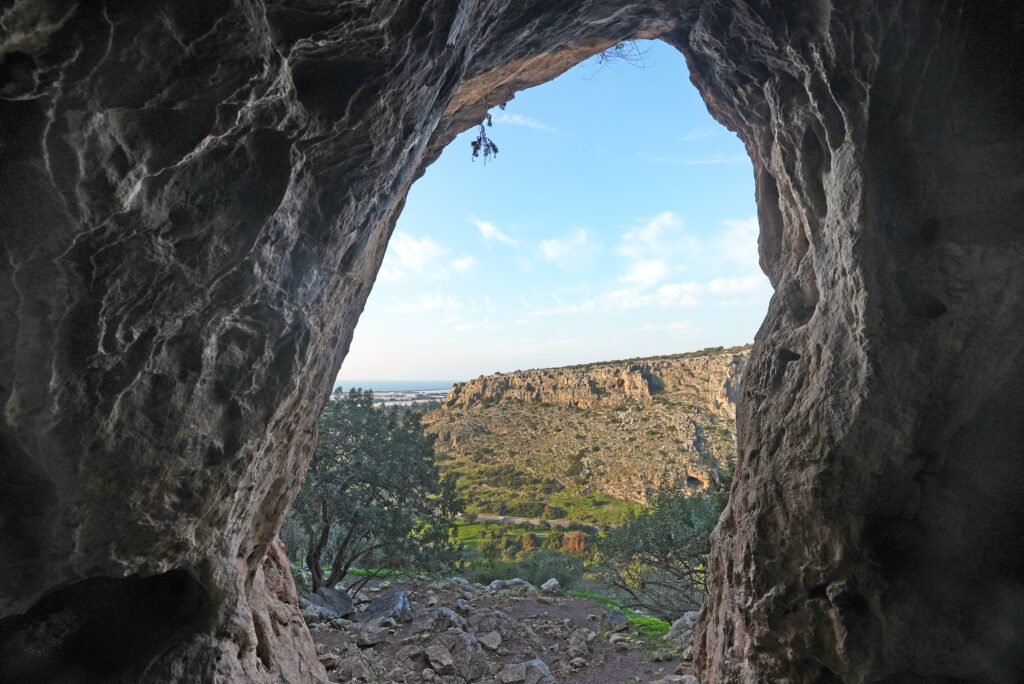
[470, 663]
[392, 604]
[579, 643]
[371, 636]
[551, 587]
[438, 619]
[530, 672]
[489, 640]
[681, 633]
[440, 658]
[614, 620]
[338, 601]
[322, 606]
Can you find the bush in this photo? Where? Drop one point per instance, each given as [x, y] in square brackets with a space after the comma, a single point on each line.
[536, 566]
[658, 558]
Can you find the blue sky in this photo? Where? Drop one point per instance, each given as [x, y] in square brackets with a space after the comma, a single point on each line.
[618, 220]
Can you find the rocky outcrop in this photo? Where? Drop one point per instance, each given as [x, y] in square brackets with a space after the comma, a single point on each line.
[196, 197]
[669, 425]
[612, 383]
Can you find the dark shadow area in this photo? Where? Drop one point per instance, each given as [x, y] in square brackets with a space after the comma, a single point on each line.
[99, 629]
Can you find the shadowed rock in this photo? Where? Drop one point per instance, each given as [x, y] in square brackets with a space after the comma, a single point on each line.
[195, 199]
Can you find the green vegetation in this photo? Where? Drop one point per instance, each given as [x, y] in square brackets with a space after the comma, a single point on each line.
[651, 629]
[373, 497]
[536, 566]
[658, 558]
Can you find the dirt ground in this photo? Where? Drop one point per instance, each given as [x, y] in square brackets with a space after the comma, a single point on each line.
[533, 627]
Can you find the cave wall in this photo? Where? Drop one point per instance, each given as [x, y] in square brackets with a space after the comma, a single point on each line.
[195, 198]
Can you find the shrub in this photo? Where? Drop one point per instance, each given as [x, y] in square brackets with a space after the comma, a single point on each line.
[536, 566]
[658, 557]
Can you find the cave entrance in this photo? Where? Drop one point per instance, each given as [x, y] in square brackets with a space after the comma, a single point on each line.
[618, 220]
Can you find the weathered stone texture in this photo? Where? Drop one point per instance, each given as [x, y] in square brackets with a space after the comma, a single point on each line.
[195, 198]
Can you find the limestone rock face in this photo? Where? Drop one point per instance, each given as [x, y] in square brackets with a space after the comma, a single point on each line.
[195, 199]
[610, 383]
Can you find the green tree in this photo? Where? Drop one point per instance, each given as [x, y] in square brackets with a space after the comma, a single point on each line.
[373, 497]
[659, 557]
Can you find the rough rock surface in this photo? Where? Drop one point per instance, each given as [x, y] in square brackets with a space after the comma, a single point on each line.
[612, 383]
[196, 197]
[624, 428]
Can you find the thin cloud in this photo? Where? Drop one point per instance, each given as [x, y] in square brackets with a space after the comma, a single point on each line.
[646, 273]
[705, 161]
[566, 252]
[464, 264]
[698, 133]
[672, 326]
[520, 120]
[492, 232]
[419, 255]
[430, 303]
[738, 243]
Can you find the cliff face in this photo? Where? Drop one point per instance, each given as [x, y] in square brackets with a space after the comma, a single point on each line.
[624, 428]
[612, 383]
[195, 199]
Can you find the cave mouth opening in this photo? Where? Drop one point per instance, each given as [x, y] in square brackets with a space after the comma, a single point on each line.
[618, 221]
[101, 628]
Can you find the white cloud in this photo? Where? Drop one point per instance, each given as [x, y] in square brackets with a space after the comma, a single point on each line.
[671, 326]
[491, 232]
[680, 294]
[444, 304]
[738, 243]
[646, 273]
[406, 254]
[697, 133]
[566, 252]
[660, 237]
[734, 286]
[464, 264]
[526, 304]
[416, 254]
[520, 120]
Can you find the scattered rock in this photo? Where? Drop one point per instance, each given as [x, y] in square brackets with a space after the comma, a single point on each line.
[614, 621]
[440, 658]
[393, 604]
[531, 672]
[371, 637]
[338, 601]
[330, 661]
[462, 607]
[438, 619]
[490, 640]
[410, 652]
[551, 587]
[470, 661]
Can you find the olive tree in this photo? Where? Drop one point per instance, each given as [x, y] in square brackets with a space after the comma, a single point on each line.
[373, 497]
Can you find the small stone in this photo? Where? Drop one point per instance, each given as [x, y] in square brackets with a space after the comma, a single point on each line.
[440, 658]
[578, 663]
[330, 661]
[551, 587]
[491, 640]
[427, 674]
